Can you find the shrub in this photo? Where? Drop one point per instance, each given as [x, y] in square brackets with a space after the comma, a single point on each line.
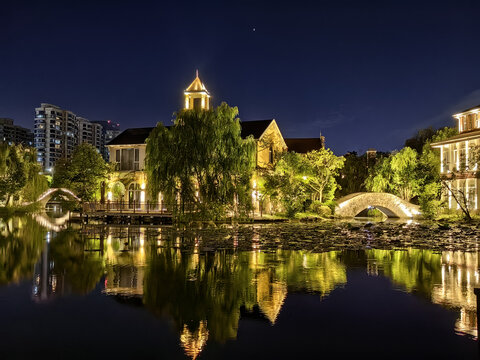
[320, 208]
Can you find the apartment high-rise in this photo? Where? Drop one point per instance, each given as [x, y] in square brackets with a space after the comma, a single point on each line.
[110, 130]
[56, 134]
[91, 133]
[14, 134]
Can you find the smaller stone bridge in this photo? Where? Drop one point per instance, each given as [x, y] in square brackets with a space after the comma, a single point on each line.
[391, 205]
[47, 195]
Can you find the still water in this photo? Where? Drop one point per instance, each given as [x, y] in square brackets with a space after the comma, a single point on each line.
[129, 291]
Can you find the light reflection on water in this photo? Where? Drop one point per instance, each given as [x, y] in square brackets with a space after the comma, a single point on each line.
[447, 278]
[205, 293]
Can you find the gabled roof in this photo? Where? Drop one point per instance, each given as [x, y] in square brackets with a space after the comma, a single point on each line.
[255, 128]
[135, 136]
[303, 145]
[196, 86]
[132, 136]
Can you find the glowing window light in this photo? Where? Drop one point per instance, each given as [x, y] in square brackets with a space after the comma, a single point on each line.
[441, 159]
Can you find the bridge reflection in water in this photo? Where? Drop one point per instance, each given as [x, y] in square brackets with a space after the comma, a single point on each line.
[205, 294]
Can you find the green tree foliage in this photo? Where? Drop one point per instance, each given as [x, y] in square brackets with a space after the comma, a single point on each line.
[429, 199]
[301, 177]
[430, 195]
[36, 183]
[430, 157]
[286, 183]
[12, 173]
[351, 178]
[409, 174]
[19, 175]
[422, 136]
[202, 160]
[322, 168]
[397, 174]
[404, 167]
[83, 173]
[118, 190]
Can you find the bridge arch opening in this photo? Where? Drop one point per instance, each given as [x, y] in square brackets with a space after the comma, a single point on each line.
[384, 210]
[44, 198]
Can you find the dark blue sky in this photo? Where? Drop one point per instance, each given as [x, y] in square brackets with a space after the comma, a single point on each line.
[365, 74]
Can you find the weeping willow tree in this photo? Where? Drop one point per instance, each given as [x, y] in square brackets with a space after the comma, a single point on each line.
[20, 178]
[202, 163]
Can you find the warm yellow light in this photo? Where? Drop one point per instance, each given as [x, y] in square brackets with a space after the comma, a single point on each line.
[142, 196]
[142, 186]
[109, 196]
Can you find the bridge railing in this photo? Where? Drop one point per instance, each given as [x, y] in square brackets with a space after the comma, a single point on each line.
[140, 207]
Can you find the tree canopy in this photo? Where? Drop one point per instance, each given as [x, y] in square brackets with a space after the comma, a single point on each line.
[83, 173]
[397, 174]
[202, 160]
[20, 178]
[412, 174]
[297, 178]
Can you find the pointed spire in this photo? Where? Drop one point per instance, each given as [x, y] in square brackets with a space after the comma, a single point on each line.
[196, 73]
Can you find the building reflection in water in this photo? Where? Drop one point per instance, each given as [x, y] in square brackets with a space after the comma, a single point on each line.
[447, 278]
[205, 293]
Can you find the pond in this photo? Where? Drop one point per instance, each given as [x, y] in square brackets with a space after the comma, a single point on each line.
[234, 291]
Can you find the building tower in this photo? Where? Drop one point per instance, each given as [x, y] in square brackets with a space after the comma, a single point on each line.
[197, 96]
[56, 134]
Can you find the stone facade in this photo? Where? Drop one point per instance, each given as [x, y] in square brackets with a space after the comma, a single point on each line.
[391, 205]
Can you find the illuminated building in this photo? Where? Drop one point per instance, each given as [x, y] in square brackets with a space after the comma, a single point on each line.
[127, 150]
[14, 134]
[196, 95]
[91, 133]
[57, 132]
[456, 158]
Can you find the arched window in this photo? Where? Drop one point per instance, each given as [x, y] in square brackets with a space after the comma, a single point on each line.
[270, 155]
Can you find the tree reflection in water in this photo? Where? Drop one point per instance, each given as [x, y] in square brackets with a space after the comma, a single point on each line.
[205, 293]
[21, 242]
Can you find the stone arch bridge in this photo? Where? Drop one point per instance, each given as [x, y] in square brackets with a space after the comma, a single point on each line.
[47, 195]
[391, 205]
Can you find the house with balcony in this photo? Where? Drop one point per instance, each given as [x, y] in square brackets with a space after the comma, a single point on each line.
[458, 159]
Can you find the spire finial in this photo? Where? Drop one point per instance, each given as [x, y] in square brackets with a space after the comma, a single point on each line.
[196, 72]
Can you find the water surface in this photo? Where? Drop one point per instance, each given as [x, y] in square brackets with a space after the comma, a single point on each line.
[126, 291]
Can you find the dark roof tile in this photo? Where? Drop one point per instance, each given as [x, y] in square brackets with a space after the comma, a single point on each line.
[135, 136]
[132, 136]
[303, 145]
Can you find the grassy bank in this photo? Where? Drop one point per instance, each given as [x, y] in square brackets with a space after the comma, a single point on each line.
[19, 209]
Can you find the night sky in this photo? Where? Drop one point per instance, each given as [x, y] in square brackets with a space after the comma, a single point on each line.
[364, 74]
